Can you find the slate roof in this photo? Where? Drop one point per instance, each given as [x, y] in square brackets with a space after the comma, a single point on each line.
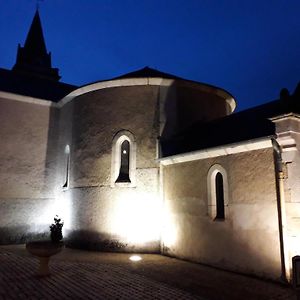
[33, 86]
[148, 72]
[249, 124]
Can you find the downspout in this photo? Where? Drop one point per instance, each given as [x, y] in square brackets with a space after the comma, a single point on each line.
[282, 223]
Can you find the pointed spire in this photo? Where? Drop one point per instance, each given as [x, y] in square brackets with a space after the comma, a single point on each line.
[35, 43]
[33, 58]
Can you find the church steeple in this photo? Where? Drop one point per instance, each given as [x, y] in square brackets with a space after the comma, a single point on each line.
[33, 59]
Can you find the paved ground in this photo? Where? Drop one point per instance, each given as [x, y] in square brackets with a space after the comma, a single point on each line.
[92, 275]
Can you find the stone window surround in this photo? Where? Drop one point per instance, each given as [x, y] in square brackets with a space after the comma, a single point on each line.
[211, 191]
[117, 141]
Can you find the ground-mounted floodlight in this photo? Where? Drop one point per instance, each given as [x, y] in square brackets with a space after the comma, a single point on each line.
[135, 258]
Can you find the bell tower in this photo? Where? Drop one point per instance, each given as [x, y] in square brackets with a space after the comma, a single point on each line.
[33, 59]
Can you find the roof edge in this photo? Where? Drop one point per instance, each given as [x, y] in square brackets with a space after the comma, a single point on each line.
[26, 99]
[158, 81]
[223, 150]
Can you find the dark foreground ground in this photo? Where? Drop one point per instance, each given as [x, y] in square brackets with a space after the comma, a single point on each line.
[92, 275]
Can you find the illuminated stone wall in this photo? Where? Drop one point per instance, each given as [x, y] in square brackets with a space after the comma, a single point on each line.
[27, 169]
[97, 213]
[248, 240]
[101, 216]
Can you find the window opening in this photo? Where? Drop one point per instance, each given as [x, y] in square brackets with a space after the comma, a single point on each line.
[67, 153]
[124, 162]
[220, 196]
[217, 193]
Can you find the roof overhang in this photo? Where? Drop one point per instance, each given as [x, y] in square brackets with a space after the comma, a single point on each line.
[26, 99]
[126, 82]
[244, 146]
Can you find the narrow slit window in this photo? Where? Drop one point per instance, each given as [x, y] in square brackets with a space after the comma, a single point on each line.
[124, 162]
[220, 197]
[67, 169]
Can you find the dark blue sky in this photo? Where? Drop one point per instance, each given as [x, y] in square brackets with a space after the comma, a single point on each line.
[249, 48]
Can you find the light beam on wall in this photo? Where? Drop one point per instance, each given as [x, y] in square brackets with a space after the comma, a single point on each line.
[60, 206]
[294, 245]
[169, 230]
[136, 217]
[64, 210]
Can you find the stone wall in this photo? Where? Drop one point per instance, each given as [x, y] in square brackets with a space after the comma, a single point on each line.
[102, 216]
[27, 169]
[248, 239]
[57, 159]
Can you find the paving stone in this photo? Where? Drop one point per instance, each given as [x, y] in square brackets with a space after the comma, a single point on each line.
[76, 280]
[94, 275]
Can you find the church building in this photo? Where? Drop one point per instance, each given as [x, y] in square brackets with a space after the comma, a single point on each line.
[149, 162]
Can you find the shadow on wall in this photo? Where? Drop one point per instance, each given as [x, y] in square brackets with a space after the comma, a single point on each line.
[93, 240]
[185, 104]
[231, 250]
[21, 234]
[50, 168]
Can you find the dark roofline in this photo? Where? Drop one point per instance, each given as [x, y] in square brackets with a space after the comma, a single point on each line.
[33, 86]
[148, 72]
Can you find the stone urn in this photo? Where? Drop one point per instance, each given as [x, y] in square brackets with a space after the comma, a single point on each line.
[44, 250]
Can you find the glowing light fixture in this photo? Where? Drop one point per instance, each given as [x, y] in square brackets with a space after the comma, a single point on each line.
[135, 258]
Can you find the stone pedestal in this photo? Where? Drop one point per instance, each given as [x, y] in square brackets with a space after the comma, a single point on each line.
[44, 250]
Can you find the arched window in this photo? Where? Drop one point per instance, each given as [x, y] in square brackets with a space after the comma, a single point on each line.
[124, 162]
[217, 191]
[220, 196]
[123, 159]
[67, 166]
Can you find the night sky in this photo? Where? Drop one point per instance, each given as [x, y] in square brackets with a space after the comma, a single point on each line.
[249, 48]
